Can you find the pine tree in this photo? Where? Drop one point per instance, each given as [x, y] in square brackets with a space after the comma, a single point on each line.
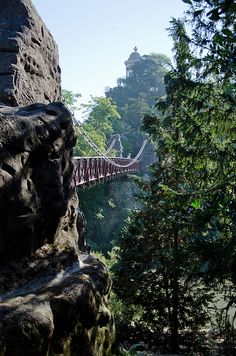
[183, 241]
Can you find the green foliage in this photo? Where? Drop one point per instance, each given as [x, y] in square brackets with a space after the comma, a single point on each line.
[136, 95]
[183, 240]
[70, 99]
[153, 270]
[214, 27]
[106, 206]
[102, 115]
[121, 112]
[99, 214]
[101, 122]
[124, 313]
[82, 148]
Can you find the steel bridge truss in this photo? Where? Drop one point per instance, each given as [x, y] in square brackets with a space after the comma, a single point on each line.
[96, 169]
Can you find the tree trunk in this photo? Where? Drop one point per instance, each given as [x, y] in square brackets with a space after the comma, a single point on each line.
[175, 286]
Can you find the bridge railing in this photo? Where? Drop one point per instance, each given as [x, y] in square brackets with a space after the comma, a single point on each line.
[92, 169]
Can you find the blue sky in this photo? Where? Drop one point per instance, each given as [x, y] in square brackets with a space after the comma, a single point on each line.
[95, 37]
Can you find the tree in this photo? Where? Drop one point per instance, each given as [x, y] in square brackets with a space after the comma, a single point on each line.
[155, 254]
[213, 96]
[103, 116]
[70, 99]
[136, 95]
[130, 100]
[213, 24]
[183, 241]
[146, 80]
[101, 122]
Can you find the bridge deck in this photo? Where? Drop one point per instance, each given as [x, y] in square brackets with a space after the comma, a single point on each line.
[95, 169]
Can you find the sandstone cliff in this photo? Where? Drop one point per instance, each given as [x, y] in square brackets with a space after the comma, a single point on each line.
[53, 298]
[29, 63]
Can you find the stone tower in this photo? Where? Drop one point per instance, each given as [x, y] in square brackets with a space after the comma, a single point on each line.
[133, 59]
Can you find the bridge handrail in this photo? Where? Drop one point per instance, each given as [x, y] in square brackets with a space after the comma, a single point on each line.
[111, 146]
[125, 159]
[92, 144]
[112, 160]
[91, 169]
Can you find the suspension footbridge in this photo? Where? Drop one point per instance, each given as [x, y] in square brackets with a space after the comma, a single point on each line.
[89, 170]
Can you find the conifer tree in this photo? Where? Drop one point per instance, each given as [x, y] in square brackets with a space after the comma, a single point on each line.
[183, 241]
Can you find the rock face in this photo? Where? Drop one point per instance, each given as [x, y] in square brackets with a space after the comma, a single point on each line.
[29, 64]
[58, 307]
[53, 299]
[35, 177]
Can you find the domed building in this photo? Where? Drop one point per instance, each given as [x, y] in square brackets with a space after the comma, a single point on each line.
[133, 59]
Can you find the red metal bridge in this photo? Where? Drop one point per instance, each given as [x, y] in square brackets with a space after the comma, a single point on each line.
[103, 168]
[96, 169]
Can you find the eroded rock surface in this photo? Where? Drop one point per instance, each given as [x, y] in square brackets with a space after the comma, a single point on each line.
[53, 299]
[58, 306]
[36, 145]
[29, 64]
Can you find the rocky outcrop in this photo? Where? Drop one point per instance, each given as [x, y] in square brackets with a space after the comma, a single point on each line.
[36, 145]
[53, 299]
[29, 64]
[58, 306]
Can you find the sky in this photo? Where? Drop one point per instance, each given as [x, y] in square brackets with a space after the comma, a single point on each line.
[95, 37]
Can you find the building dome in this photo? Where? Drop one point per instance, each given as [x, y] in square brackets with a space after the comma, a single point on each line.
[132, 60]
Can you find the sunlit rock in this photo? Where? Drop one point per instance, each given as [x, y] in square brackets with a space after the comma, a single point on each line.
[29, 62]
